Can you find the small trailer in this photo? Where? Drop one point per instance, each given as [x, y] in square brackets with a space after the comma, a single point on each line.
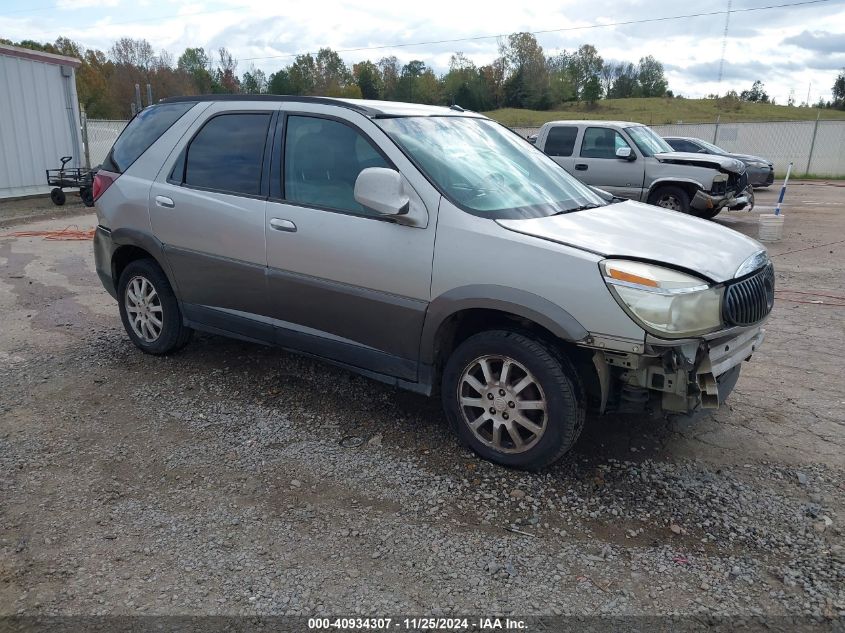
[71, 178]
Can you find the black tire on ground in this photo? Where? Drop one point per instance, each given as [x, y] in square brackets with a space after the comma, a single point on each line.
[561, 390]
[87, 196]
[670, 197]
[57, 196]
[172, 334]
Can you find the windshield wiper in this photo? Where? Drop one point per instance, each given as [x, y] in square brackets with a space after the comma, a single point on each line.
[583, 207]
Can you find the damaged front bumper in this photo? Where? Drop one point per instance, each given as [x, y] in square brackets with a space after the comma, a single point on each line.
[678, 376]
[703, 201]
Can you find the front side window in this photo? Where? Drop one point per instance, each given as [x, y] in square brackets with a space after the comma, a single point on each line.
[322, 161]
[649, 142]
[487, 170]
[601, 142]
[227, 154]
[561, 140]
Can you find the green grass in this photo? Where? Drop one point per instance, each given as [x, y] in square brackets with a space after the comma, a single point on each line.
[657, 111]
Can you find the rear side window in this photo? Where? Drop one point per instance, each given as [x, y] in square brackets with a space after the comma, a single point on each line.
[227, 153]
[561, 141]
[141, 132]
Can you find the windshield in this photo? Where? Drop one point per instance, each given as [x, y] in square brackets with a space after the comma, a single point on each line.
[487, 170]
[648, 141]
[711, 147]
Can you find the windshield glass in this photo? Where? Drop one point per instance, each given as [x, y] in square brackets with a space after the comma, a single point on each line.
[648, 141]
[711, 147]
[487, 170]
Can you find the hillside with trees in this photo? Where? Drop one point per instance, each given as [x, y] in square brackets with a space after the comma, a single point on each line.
[522, 84]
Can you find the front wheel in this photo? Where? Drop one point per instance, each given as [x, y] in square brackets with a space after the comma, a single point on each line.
[670, 197]
[513, 399]
[149, 309]
[57, 196]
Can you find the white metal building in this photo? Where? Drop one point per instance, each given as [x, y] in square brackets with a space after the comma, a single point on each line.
[39, 118]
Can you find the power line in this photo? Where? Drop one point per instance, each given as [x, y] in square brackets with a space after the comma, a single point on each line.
[561, 30]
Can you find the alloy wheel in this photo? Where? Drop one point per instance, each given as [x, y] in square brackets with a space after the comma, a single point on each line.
[143, 307]
[502, 403]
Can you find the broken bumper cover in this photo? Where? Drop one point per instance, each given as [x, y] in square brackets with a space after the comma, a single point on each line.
[703, 201]
[682, 376]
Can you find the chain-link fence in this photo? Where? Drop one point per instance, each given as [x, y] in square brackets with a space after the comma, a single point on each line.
[98, 135]
[813, 147]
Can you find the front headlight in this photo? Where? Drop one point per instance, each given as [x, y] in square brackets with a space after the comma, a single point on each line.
[663, 301]
[758, 164]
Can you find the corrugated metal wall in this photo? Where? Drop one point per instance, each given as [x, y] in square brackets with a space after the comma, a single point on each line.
[39, 123]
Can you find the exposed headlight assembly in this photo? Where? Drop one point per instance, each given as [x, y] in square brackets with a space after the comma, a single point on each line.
[664, 302]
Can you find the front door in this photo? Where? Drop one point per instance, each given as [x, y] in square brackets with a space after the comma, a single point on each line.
[207, 208]
[598, 165]
[345, 283]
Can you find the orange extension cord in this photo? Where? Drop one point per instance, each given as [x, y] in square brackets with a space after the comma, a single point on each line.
[69, 233]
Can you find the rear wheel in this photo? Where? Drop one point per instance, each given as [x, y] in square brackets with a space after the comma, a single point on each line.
[87, 196]
[149, 309]
[670, 197]
[513, 399]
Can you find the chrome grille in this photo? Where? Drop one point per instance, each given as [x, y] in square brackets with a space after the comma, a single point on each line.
[751, 299]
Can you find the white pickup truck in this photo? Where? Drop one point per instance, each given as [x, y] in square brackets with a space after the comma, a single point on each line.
[630, 160]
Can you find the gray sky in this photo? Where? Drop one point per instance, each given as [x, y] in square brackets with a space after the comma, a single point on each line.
[787, 48]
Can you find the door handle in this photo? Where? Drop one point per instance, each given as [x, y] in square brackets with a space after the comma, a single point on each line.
[283, 225]
[580, 166]
[164, 201]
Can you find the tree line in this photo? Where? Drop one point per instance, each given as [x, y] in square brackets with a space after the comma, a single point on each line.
[521, 76]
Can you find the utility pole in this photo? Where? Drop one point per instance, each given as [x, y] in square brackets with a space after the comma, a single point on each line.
[724, 42]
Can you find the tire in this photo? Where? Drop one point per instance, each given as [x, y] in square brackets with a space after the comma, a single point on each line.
[145, 279]
[57, 196]
[87, 196]
[551, 381]
[670, 197]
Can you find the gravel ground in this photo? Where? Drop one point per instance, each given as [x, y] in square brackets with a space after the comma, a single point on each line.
[235, 479]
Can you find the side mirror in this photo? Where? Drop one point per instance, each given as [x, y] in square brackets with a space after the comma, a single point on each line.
[380, 189]
[702, 151]
[626, 153]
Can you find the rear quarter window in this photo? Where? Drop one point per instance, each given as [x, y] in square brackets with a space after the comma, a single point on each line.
[141, 132]
[561, 140]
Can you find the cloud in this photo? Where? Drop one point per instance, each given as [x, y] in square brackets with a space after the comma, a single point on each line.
[819, 41]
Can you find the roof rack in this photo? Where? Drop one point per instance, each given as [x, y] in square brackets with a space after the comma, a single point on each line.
[371, 112]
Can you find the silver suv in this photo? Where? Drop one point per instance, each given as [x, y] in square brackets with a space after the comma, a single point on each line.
[429, 248]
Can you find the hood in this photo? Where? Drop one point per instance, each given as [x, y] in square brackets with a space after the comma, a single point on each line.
[642, 231]
[713, 161]
[748, 158]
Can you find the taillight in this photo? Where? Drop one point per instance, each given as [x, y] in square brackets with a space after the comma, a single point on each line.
[102, 181]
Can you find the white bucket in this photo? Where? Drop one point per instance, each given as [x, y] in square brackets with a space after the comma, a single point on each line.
[771, 227]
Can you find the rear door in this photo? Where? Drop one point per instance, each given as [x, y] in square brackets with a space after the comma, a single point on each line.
[560, 145]
[207, 207]
[346, 283]
[598, 165]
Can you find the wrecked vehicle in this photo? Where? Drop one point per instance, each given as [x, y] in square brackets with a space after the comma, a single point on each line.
[632, 161]
[429, 248]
